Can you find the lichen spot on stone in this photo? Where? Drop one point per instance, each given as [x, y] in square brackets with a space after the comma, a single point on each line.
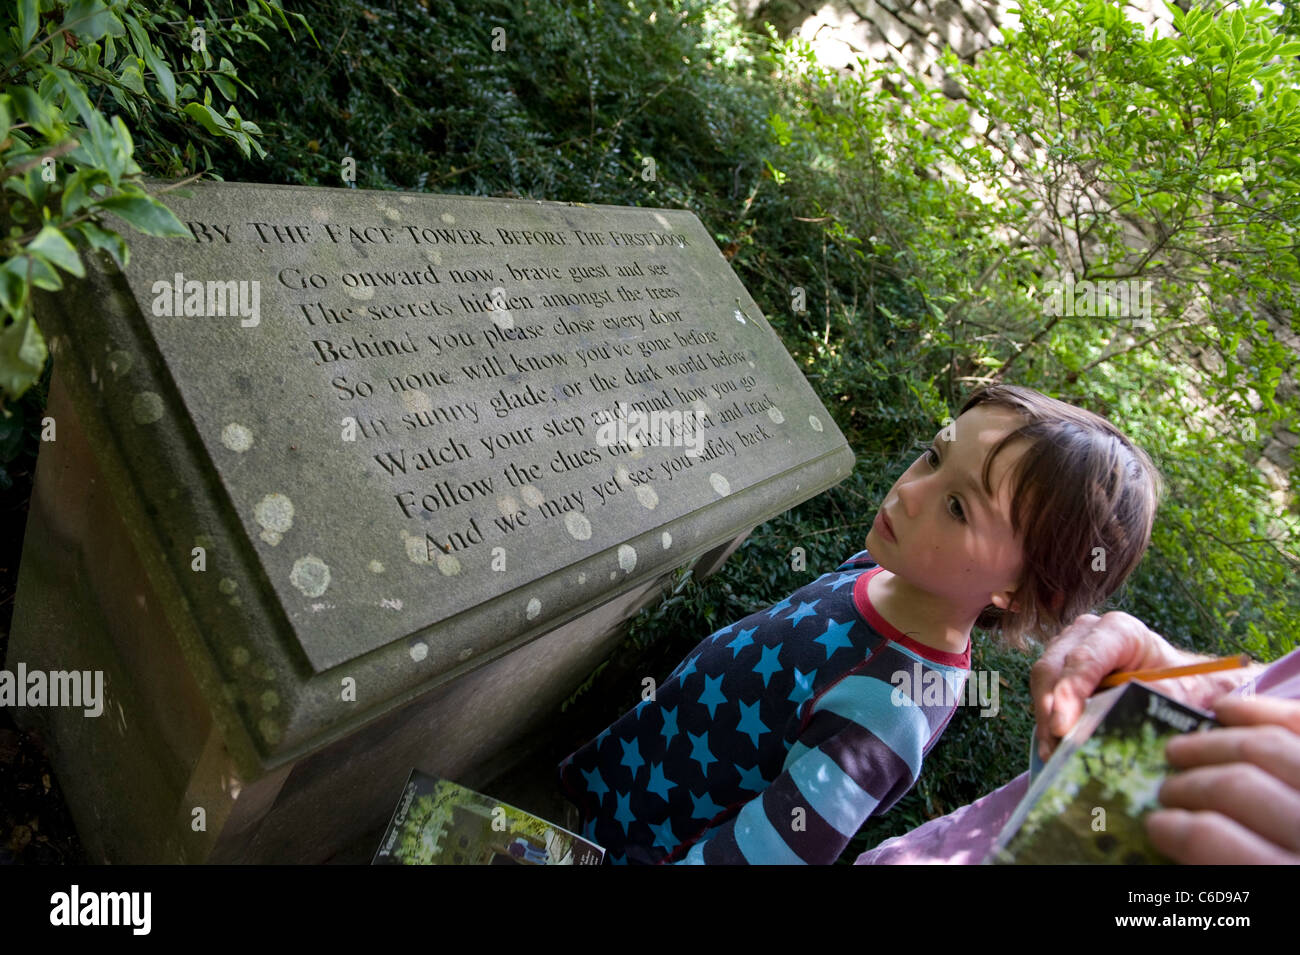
[667, 539]
[270, 729]
[239, 656]
[417, 550]
[647, 496]
[814, 422]
[465, 654]
[448, 564]
[310, 575]
[275, 515]
[120, 362]
[577, 525]
[416, 401]
[147, 407]
[533, 609]
[236, 437]
[532, 497]
[376, 567]
[720, 484]
[270, 700]
[227, 586]
[448, 218]
[626, 558]
[419, 650]
[775, 414]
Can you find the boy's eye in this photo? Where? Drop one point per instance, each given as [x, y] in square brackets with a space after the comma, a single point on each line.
[954, 506]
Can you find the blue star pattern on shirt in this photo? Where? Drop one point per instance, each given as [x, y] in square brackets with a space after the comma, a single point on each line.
[751, 779]
[836, 636]
[768, 665]
[712, 695]
[750, 723]
[843, 579]
[745, 638]
[623, 814]
[659, 784]
[805, 610]
[595, 784]
[700, 751]
[664, 834]
[669, 729]
[686, 670]
[632, 755]
[704, 806]
[775, 610]
[803, 686]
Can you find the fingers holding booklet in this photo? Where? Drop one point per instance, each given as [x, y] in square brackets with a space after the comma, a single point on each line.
[1236, 797]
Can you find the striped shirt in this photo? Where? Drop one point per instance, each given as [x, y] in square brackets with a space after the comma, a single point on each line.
[775, 739]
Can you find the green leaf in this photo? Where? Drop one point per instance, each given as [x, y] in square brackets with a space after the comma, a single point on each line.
[106, 240]
[147, 214]
[89, 19]
[53, 245]
[28, 20]
[35, 110]
[22, 356]
[1238, 26]
[13, 284]
[223, 82]
[132, 76]
[208, 118]
[162, 73]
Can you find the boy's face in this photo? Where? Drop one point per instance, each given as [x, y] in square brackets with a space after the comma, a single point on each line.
[938, 530]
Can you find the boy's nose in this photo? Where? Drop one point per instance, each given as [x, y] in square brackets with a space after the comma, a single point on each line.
[909, 496]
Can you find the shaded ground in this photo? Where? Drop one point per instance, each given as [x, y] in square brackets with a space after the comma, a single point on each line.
[35, 826]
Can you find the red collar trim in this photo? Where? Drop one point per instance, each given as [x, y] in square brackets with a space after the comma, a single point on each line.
[890, 632]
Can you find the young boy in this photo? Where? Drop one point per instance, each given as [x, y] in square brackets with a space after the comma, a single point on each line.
[781, 734]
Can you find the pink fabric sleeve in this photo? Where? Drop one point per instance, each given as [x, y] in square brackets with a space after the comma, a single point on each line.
[966, 835]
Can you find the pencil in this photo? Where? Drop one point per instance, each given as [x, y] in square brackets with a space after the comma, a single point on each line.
[1165, 673]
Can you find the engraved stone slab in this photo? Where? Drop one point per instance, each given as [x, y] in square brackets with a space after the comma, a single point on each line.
[387, 437]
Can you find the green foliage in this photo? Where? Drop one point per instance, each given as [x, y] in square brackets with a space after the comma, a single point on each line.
[87, 84]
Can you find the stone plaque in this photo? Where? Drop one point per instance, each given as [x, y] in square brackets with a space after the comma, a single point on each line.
[372, 441]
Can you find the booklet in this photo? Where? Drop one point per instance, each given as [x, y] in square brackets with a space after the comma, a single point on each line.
[438, 822]
[1087, 803]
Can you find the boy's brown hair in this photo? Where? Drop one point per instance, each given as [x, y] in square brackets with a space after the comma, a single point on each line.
[1083, 508]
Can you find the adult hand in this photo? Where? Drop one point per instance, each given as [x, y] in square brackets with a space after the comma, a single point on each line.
[1237, 800]
[1093, 647]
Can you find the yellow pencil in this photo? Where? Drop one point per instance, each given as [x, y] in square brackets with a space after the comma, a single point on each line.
[1166, 673]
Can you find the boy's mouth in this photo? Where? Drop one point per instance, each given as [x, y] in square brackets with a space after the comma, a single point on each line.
[886, 530]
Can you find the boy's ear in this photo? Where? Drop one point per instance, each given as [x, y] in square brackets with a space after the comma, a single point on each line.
[1004, 600]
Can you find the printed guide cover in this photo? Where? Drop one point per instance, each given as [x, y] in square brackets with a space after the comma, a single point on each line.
[1086, 805]
[438, 822]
